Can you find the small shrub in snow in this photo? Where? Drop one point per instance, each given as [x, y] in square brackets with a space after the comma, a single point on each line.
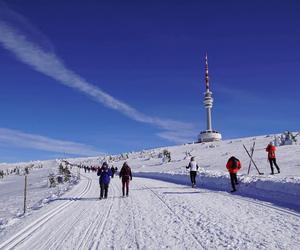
[187, 155]
[61, 168]
[60, 179]
[52, 182]
[166, 156]
[26, 170]
[286, 138]
[67, 177]
[1, 174]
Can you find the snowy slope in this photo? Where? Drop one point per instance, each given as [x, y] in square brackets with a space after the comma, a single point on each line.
[282, 189]
[166, 212]
[156, 215]
[38, 192]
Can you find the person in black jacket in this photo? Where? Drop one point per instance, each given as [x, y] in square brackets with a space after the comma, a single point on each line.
[126, 176]
[112, 169]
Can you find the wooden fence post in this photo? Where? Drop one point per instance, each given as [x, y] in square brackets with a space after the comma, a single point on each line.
[25, 193]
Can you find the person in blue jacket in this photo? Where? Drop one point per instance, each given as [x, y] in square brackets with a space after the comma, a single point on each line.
[104, 174]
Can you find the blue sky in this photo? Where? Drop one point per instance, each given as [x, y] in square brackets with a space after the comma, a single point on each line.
[90, 77]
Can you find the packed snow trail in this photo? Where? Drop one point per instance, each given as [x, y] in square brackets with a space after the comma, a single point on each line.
[157, 215]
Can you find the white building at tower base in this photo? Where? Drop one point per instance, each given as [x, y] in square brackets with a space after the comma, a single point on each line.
[209, 136]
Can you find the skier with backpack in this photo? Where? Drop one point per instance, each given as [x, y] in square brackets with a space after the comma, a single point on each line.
[233, 166]
[126, 176]
[104, 174]
[193, 166]
[271, 157]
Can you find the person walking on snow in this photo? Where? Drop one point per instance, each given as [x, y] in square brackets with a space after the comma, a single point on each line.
[193, 166]
[112, 171]
[233, 166]
[104, 174]
[271, 157]
[126, 176]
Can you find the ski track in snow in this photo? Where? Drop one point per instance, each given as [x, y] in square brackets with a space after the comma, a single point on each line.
[157, 215]
[29, 230]
[187, 229]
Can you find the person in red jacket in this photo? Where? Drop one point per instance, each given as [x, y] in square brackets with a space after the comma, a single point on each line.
[126, 176]
[271, 157]
[233, 165]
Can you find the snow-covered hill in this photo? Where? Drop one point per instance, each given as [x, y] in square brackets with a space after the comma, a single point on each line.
[278, 190]
[283, 188]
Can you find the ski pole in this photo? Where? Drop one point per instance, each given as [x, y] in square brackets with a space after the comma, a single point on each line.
[252, 161]
[252, 151]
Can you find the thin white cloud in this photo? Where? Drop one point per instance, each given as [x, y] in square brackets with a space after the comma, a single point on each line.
[49, 64]
[9, 137]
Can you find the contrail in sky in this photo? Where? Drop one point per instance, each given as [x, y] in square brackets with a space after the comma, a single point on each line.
[24, 140]
[49, 64]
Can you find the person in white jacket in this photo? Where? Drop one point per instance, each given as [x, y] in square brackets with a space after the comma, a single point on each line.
[193, 166]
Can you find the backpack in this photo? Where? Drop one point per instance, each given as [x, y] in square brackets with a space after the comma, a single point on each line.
[234, 163]
[125, 171]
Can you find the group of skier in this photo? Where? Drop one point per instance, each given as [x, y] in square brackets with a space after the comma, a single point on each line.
[233, 166]
[105, 174]
[89, 168]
